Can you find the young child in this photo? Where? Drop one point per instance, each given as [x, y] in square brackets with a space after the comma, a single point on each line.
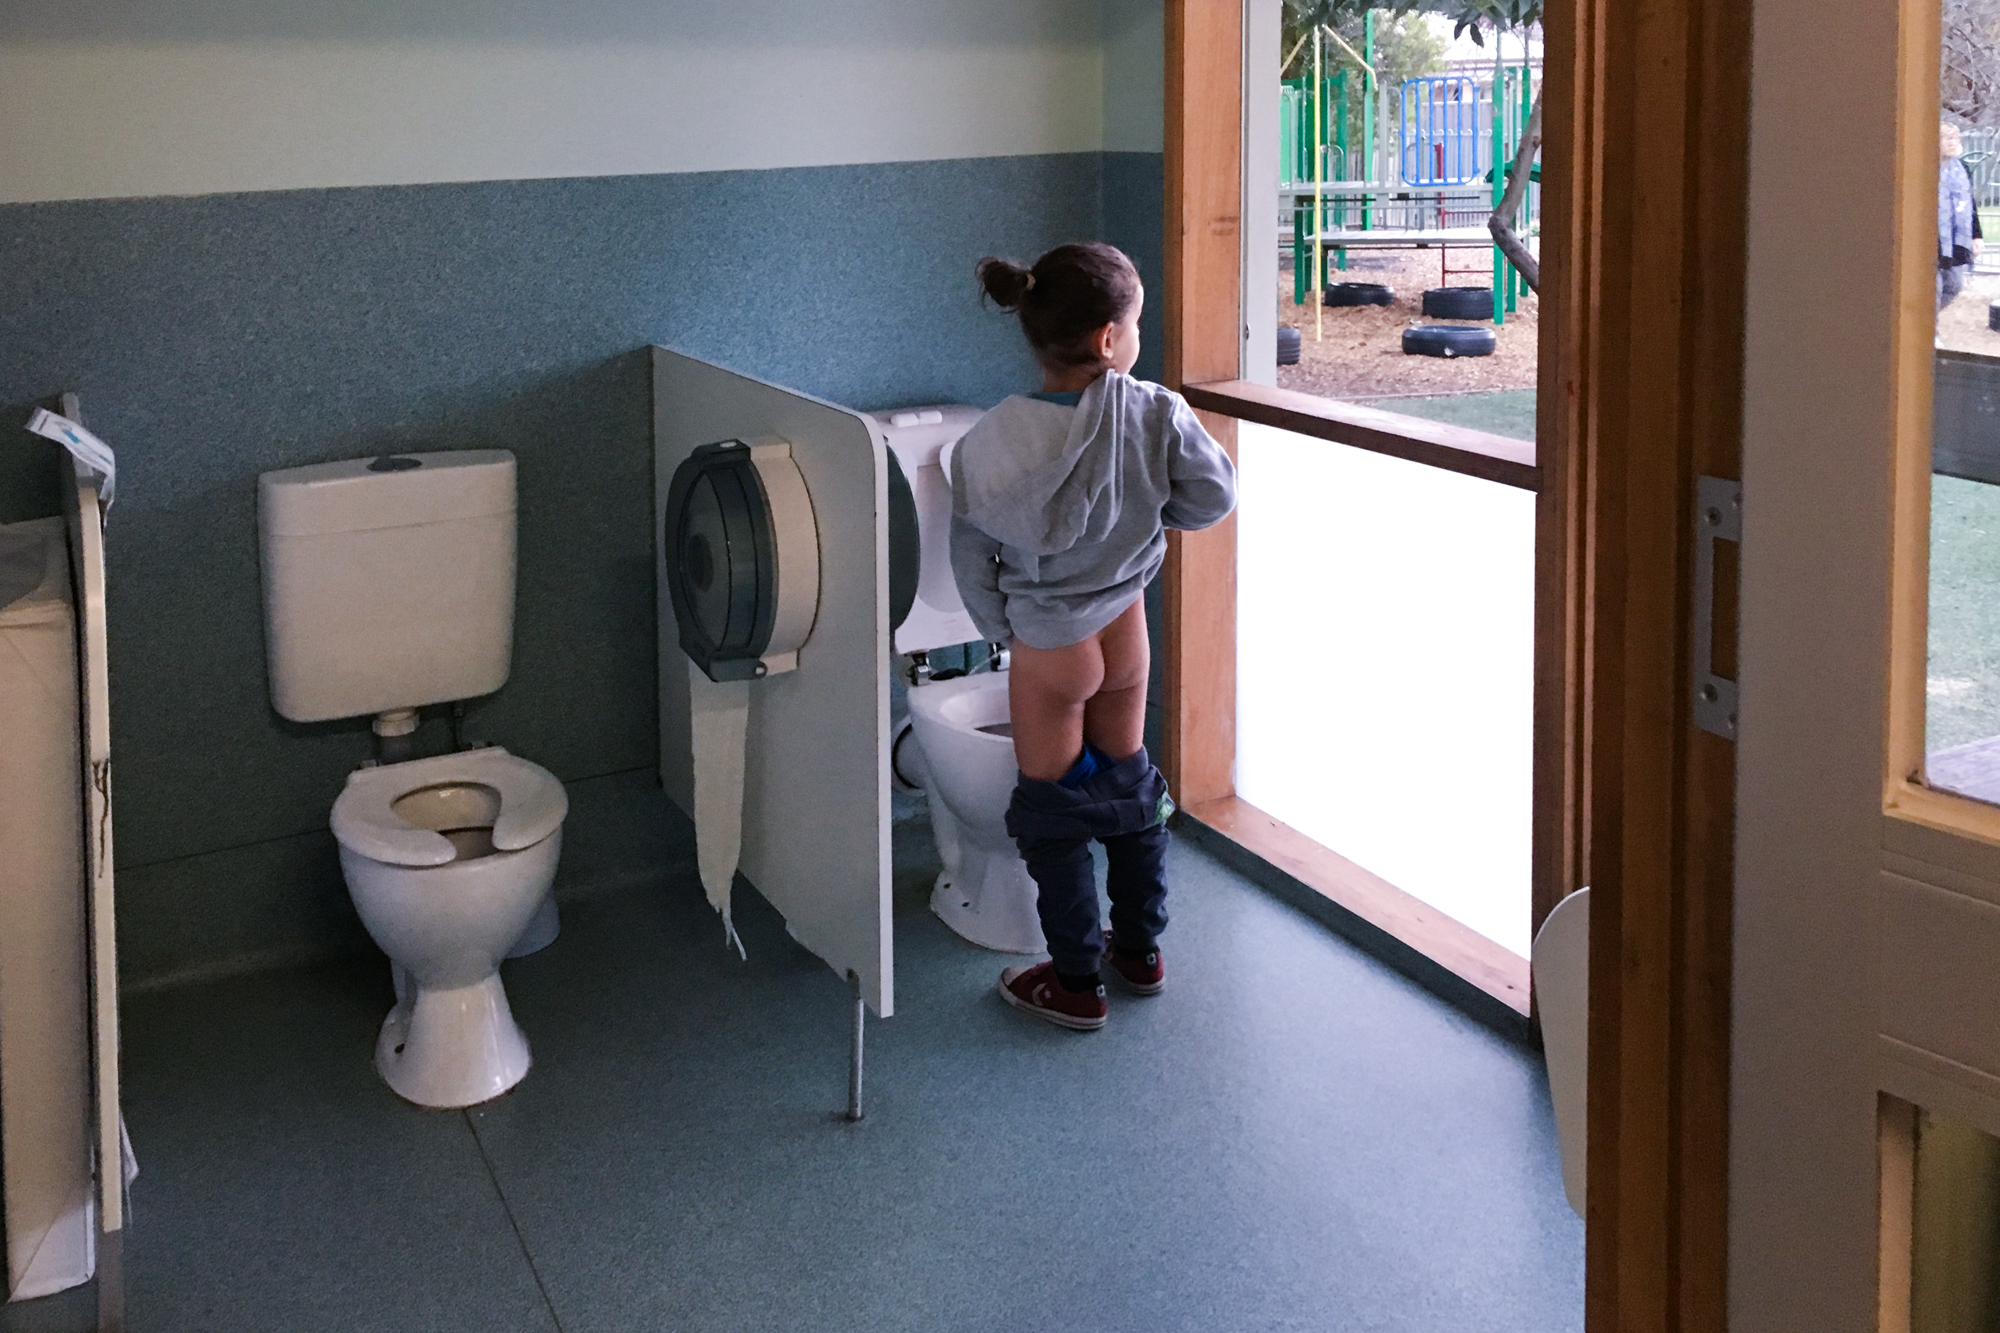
[1060, 502]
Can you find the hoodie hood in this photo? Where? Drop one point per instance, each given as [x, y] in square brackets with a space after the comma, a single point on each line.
[1059, 514]
[1043, 502]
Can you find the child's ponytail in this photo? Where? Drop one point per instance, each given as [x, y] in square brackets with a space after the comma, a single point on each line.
[1004, 282]
[1069, 294]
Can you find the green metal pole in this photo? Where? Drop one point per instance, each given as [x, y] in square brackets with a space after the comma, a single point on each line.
[1319, 191]
[1368, 115]
[1499, 156]
[1300, 254]
[1520, 128]
[1299, 170]
[1513, 142]
[1340, 137]
[1527, 110]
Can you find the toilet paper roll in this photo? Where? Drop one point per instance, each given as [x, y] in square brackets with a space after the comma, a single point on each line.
[720, 713]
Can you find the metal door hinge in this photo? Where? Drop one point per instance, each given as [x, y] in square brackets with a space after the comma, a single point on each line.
[1718, 516]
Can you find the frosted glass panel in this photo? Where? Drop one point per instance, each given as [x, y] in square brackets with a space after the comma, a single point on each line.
[1385, 669]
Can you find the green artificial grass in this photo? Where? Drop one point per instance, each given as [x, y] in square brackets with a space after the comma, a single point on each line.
[1963, 685]
[1509, 412]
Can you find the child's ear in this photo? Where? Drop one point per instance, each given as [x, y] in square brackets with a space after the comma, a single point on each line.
[1106, 341]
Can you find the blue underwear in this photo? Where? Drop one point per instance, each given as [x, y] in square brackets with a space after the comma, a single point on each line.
[1087, 766]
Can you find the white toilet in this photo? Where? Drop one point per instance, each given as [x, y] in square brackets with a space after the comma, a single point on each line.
[959, 748]
[389, 585]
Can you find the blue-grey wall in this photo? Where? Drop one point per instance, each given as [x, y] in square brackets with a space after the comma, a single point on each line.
[217, 337]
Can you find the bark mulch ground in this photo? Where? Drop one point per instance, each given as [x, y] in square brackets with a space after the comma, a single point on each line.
[1961, 326]
[1360, 354]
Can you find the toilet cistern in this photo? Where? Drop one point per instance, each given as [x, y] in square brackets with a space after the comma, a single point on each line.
[389, 586]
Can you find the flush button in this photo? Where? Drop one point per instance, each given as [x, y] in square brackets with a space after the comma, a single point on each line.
[394, 463]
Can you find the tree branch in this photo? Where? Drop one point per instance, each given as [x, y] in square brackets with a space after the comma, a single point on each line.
[1501, 224]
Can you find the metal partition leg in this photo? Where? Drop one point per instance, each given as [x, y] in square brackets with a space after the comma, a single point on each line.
[111, 1279]
[854, 1066]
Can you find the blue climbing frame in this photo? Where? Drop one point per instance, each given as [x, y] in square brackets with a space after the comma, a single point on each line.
[1441, 131]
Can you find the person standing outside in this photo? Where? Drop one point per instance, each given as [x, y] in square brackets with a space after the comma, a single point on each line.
[1959, 238]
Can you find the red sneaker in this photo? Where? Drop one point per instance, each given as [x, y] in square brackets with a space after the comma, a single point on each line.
[1036, 990]
[1144, 975]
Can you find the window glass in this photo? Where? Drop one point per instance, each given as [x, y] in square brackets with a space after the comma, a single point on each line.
[1962, 717]
[1391, 290]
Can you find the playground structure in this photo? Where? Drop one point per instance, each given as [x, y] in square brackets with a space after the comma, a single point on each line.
[1982, 160]
[1429, 177]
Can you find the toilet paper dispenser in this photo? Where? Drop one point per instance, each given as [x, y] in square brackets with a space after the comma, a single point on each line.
[743, 569]
[744, 572]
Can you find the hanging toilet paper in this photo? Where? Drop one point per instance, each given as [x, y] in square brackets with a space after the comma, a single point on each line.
[720, 717]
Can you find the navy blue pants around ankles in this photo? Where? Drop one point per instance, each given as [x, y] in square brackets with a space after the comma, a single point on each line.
[1125, 807]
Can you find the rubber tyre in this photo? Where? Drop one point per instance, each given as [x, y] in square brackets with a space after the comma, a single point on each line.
[1288, 347]
[1459, 303]
[1448, 340]
[1993, 317]
[1358, 293]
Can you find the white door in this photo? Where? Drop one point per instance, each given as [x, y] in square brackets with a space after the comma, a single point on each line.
[1866, 988]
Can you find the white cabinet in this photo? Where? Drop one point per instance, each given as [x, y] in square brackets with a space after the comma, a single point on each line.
[45, 1096]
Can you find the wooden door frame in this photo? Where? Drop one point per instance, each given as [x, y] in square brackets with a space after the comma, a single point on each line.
[1641, 393]
[1202, 243]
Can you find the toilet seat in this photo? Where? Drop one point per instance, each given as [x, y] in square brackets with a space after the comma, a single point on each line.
[532, 805]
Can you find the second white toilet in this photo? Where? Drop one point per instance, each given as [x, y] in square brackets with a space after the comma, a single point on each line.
[389, 585]
[959, 747]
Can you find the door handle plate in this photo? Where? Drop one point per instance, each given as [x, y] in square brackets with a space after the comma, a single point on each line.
[1718, 517]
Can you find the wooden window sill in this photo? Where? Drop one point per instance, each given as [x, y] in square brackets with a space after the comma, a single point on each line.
[1496, 971]
[1432, 443]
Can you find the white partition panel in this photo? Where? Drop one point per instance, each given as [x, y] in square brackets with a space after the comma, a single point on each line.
[1386, 669]
[816, 781]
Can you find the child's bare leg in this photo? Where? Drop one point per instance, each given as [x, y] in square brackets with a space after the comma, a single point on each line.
[1047, 689]
[1057, 697]
[1114, 718]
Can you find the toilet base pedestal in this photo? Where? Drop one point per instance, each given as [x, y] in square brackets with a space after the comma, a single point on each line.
[991, 902]
[451, 1048]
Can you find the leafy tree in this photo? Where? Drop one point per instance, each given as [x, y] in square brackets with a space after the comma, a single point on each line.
[1971, 74]
[1468, 16]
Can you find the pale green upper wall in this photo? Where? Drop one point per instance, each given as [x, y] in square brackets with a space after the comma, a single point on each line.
[108, 98]
[1135, 38]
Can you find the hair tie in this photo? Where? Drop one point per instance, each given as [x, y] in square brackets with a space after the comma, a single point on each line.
[1029, 285]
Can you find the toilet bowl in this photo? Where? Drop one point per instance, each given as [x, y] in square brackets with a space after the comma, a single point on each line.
[967, 766]
[449, 860]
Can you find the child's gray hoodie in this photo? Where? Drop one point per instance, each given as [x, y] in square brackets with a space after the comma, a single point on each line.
[1058, 513]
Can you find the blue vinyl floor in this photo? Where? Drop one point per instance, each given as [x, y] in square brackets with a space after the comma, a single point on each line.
[1291, 1137]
